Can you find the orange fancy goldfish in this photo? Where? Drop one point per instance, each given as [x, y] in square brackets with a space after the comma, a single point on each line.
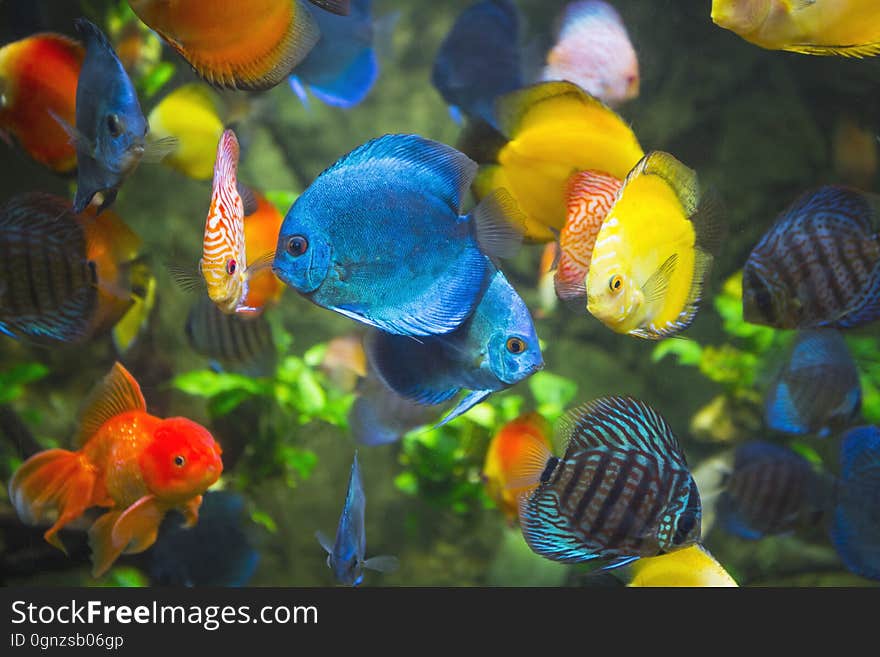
[241, 44]
[517, 443]
[38, 78]
[135, 464]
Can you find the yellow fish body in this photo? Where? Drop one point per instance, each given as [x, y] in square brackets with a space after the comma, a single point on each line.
[189, 113]
[692, 566]
[653, 251]
[553, 130]
[850, 28]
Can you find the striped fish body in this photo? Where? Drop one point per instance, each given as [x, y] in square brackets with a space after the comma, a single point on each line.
[771, 490]
[818, 265]
[48, 287]
[224, 260]
[240, 344]
[621, 491]
[590, 196]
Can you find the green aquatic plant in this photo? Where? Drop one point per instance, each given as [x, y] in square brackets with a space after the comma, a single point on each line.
[14, 380]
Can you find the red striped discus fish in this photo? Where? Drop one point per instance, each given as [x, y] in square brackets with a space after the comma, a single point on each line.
[590, 196]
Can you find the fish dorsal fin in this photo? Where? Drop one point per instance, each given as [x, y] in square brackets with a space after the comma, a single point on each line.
[512, 110]
[117, 393]
[429, 165]
[91, 33]
[620, 423]
[852, 213]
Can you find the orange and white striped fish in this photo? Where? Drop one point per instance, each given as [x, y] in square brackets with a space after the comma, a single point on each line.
[224, 260]
[590, 196]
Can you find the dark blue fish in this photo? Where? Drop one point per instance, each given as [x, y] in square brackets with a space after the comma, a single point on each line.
[494, 349]
[817, 390]
[379, 237]
[479, 60]
[855, 531]
[818, 265]
[769, 490]
[621, 491]
[346, 553]
[110, 133]
[48, 286]
[342, 67]
[216, 551]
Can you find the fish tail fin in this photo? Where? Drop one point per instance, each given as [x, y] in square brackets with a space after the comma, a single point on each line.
[56, 482]
[124, 532]
[855, 532]
[499, 225]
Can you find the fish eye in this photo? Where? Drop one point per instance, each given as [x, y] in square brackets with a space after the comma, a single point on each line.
[615, 283]
[179, 461]
[113, 125]
[231, 267]
[515, 345]
[297, 245]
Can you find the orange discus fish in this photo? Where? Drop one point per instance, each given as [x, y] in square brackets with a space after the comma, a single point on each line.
[38, 77]
[518, 442]
[261, 230]
[238, 44]
[590, 196]
[135, 464]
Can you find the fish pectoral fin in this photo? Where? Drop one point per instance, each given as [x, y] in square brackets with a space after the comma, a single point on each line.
[326, 543]
[156, 150]
[500, 225]
[383, 564]
[137, 527]
[464, 405]
[655, 287]
[264, 261]
[77, 139]
[190, 511]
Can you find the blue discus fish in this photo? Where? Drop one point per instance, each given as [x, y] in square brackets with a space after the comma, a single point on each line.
[345, 556]
[479, 60]
[379, 237]
[818, 388]
[110, 133]
[216, 551]
[855, 530]
[621, 491]
[342, 67]
[495, 348]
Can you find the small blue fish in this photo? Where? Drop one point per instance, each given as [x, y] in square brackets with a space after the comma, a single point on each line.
[855, 530]
[110, 133]
[494, 349]
[817, 390]
[346, 554]
[621, 491]
[479, 60]
[342, 67]
[216, 551]
[379, 237]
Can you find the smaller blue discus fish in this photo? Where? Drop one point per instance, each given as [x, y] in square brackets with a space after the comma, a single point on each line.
[817, 390]
[342, 67]
[479, 60]
[345, 556]
[379, 237]
[494, 349]
[855, 530]
[621, 491]
[110, 133]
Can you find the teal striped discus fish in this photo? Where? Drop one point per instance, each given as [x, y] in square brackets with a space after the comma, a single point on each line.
[621, 491]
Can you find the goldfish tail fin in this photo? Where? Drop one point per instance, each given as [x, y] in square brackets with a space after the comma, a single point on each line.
[55, 482]
[124, 532]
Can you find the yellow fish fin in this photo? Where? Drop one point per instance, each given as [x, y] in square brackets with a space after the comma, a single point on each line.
[116, 393]
[854, 51]
[655, 287]
[143, 285]
[513, 110]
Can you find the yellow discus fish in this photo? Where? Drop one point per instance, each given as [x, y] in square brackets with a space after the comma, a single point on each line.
[189, 113]
[653, 251]
[692, 566]
[554, 129]
[849, 28]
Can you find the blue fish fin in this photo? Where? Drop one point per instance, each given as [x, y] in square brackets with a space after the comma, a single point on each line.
[467, 403]
[325, 541]
[77, 139]
[546, 531]
[352, 85]
[299, 89]
[855, 530]
[617, 562]
[7, 332]
[499, 224]
[383, 564]
[402, 364]
[730, 520]
[435, 168]
[867, 308]
[781, 412]
[456, 115]
[338, 7]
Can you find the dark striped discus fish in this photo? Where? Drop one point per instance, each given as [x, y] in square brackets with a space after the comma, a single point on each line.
[817, 390]
[48, 286]
[621, 491]
[818, 265]
[241, 344]
[770, 490]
